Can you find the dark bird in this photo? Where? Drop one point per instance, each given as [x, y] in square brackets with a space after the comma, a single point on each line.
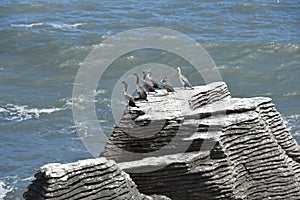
[149, 76]
[140, 90]
[185, 82]
[167, 85]
[147, 83]
[128, 97]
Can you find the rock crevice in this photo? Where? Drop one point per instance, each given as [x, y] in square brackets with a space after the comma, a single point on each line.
[238, 148]
[86, 179]
[191, 144]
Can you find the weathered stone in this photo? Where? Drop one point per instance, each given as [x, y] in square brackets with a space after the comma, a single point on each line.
[238, 148]
[86, 179]
[191, 144]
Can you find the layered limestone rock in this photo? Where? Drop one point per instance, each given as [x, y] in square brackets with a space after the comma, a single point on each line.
[85, 179]
[163, 124]
[191, 144]
[203, 144]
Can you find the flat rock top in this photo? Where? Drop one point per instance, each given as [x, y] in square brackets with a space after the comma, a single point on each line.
[163, 160]
[162, 107]
[57, 170]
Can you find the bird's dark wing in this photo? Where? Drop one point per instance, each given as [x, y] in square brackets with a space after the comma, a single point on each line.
[169, 88]
[142, 93]
[148, 86]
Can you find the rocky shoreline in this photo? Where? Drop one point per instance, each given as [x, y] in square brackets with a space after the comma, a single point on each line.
[191, 144]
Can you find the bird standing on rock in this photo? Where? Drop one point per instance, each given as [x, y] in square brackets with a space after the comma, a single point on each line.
[148, 85]
[140, 90]
[149, 76]
[128, 97]
[185, 82]
[167, 85]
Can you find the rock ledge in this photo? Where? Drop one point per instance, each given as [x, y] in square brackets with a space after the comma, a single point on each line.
[191, 144]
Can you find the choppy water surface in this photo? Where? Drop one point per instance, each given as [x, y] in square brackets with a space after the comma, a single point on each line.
[255, 45]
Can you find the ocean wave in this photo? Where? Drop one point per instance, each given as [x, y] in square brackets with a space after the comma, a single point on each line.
[100, 91]
[292, 123]
[237, 67]
[130, 57]
[289, 94]
[11, 112]
[4, 189]
[10, 186]
[292, 65]
[79, 48]
[54, 25]
[94, 97]
[281, 47]
[66, 26]
[67, 102]
[27, 25]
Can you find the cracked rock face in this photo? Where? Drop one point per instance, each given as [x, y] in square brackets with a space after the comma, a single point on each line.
[203, 144]
[191, 144]
[86, 179]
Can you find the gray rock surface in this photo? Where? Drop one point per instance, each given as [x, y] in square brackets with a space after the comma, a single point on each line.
[191, 144]
[86, 179]
[203, 144]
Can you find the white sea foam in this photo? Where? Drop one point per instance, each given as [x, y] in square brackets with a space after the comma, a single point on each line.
[79, 48]
[222, 67]
[105, 36]
[100, 91]
[77, 24]
[4, 190]
[130, 57]
[68, 102]
[2, 110]
[291, 94]
[27, 25]
[54, 25]
[292, 123]
[11, 112]
[168, 37]
[66, 26]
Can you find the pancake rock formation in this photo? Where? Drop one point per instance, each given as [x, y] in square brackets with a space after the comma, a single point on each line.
[86, 179]
[190, 144]
[204, 144]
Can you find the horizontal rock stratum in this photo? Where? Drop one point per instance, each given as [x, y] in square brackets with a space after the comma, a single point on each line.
[191, 144]
[86, 179]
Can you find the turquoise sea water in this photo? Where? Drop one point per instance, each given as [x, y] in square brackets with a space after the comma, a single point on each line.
[255, 44]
